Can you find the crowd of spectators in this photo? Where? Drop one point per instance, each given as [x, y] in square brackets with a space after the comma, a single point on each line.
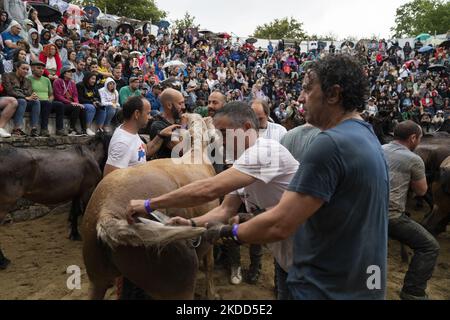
[87, 76]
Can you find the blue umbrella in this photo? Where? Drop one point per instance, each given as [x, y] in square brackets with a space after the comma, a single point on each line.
[92, 13]
[163, 24]
[425, 49]
[423, 36]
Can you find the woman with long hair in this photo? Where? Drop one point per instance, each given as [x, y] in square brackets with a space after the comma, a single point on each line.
[89, 97]
[34, 40]
[18, 55]
[104, 69]
[33, 16]
[4, 20]
[53, 64]
[71, 59]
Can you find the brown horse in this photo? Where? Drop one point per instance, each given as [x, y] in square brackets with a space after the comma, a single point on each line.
[293, 120]
[437, 221]
[149, 255]
[51, 177]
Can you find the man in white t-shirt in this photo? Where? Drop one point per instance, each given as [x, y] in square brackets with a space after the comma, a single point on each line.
[269, 130]
[126, 148]
[263, 169]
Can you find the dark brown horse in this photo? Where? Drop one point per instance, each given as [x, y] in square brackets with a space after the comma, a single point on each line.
[293, 120]
[51, 177]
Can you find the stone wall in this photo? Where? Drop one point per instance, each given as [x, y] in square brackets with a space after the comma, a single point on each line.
[51, 124]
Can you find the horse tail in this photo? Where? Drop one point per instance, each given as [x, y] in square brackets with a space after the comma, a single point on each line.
[117, 232]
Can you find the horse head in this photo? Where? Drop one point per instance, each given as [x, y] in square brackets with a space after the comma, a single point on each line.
[294, 119]
[201, 133]
[99, 147]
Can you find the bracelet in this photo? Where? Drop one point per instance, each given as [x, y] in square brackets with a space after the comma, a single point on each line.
[193, 224]
[234, 232]
[147, 206]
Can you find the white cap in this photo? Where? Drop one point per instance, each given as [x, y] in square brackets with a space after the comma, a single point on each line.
[14, 23]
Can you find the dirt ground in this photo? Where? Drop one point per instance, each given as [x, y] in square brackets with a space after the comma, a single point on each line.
[41, 252]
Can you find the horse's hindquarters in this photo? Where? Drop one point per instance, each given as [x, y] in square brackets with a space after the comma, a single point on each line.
[170, 274]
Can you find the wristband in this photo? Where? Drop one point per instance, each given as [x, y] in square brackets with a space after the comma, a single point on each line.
[147, 206]
[234, 232]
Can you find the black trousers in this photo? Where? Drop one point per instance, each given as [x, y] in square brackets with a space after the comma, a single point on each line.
[426, 251]
[74, 114]
[47, 107]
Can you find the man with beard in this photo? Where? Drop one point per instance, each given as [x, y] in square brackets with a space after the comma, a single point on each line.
[126, 148]
[337, 203]
[172, 102]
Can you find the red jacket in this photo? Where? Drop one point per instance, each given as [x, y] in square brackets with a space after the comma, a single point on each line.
[43, 58]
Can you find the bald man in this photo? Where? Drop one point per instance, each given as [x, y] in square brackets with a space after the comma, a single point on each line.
[269, 130]
[216, 101]
[172, 102]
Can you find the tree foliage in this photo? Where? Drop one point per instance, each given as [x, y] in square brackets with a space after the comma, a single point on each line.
[326, 37]
[422, 16]
[186, 22]
[286, 28]
[145, 10]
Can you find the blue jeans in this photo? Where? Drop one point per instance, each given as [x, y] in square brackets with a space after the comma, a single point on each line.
[105, 116]
[426, 251]
[34, 107]
[90, 113]
[283, 292]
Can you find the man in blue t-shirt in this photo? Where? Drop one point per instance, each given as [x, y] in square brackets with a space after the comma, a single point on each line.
[153, 97]
[337, 203]
[10, 39]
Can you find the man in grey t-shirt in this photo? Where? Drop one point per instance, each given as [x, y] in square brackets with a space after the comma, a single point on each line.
[406, 169]
[298, 140]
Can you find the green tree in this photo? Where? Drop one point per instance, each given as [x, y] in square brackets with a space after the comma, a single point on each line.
[186, 22]
[145, 10]
[281, 29]
[422, 16]
[326, 37]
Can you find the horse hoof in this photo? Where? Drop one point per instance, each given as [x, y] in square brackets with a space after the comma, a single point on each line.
[75, 237]
[4, 263]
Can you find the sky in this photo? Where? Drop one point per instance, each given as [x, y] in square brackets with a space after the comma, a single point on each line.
[343, 18]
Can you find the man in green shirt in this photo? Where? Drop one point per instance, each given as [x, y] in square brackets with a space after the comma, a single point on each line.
[129, 91]
[43, 88]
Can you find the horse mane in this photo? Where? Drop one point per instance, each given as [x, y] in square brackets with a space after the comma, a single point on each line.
[200, 129]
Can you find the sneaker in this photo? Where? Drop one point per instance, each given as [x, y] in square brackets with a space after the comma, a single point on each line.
[253, 274]
[74, 133]
[34, 133]
[407, 296]
[19, 133]
[236, 275]
[61, 133]
[83, 133]
[4, 133]
[45, 133]
[90, 133]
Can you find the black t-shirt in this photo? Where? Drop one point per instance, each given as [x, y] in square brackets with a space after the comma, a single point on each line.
[120, 83]
[160, 124]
